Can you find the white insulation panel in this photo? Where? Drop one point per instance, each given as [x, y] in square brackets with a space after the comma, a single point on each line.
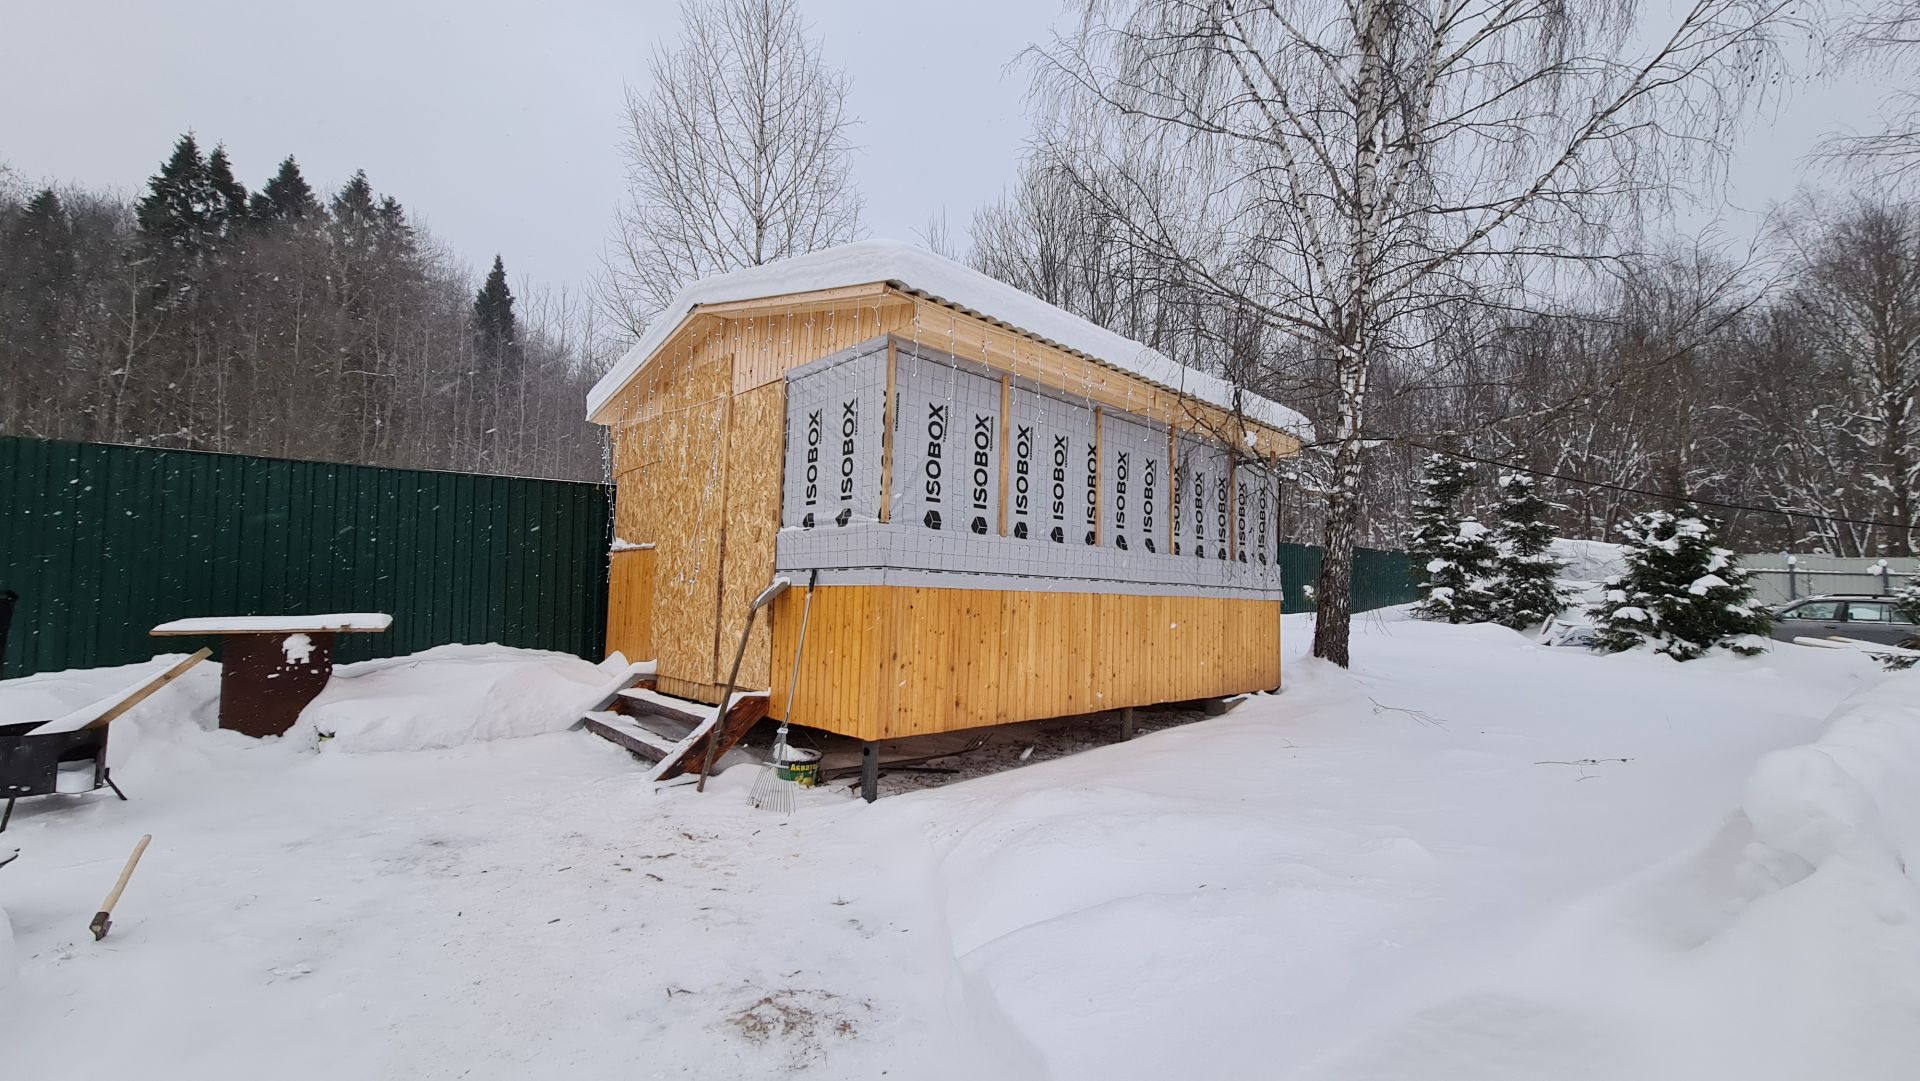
[1091, 494]
[834, 430]
[946, 453]
[1134, 484]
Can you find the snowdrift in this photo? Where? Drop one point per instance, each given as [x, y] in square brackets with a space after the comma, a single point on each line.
[440, 697]
[1785, 947]
[449, 695]
[42, 697]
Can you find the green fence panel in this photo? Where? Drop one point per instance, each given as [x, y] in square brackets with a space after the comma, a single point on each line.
[1380, 579]
[104, 542]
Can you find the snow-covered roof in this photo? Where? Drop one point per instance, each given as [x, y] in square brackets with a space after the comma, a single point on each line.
[920, 271]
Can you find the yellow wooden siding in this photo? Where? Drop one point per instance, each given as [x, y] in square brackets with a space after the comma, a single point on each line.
[882, 662]
[630, 604]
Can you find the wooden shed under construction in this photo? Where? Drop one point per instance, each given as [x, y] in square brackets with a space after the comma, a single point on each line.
[1013, 513]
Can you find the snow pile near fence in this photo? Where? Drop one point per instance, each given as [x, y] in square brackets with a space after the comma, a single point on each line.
[450, 695]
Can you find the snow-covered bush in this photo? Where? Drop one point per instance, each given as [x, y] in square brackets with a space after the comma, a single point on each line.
[1906, 606]
[1681, 593]
[1906, 600]
[1453, 556]
[1526, 586]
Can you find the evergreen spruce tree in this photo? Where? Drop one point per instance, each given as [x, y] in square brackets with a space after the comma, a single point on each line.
[392, 234]
[180, 218]
[493, 321]
[1681, 593]
[42, 241]
[1526, 584]
[1906, 600]
[230, 205]
[1906, 606]
[37, 274]
[355, 217]
[1453, 556]
[286, 199]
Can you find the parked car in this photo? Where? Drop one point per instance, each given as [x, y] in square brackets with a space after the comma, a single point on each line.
[1868, 617]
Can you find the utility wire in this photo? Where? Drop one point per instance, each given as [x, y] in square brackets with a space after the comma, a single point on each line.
[1687, 499]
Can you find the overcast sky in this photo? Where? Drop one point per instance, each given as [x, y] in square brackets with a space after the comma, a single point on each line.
[496, 123]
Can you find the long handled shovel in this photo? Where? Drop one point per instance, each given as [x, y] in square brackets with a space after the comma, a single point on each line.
[103, 919]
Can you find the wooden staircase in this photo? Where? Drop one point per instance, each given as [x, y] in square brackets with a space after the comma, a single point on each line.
[672, 733]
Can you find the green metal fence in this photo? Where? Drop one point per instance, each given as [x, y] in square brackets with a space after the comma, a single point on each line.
[1380, 578]
[104, 542]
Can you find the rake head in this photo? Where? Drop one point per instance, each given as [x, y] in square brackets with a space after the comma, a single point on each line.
[771, 792]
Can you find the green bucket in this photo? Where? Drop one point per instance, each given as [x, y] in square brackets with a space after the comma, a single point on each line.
[799, 765]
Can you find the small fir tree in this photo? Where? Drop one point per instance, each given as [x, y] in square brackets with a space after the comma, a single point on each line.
[1906, 600]
[1906, 607]
[1526, 585]
[1453, 556]
[1681, 593]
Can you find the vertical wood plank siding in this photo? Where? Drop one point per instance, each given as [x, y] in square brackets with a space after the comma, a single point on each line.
[883, 662]
[104, 542]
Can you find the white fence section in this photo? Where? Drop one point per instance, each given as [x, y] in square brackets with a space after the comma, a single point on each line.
[1779, 577]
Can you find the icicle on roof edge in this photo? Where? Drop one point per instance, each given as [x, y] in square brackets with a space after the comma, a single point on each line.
[942, 279]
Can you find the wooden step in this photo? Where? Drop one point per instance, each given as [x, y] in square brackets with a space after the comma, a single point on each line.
[668, 716]
[748, 710]
[672, 733]
[623, 732]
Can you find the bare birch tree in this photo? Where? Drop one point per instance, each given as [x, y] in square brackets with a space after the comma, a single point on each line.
[1355, 170]
[1883, 36]
[1859, 293]
[738, 154]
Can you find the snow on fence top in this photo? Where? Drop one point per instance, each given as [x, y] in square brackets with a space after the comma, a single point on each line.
[944, 280]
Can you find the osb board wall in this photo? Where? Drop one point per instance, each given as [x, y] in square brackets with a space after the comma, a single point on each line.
[670, 435]
[882, 662]
[755, 449]
[630, 604]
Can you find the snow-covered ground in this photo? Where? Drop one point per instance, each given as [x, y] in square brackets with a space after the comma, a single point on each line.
[1471, 857]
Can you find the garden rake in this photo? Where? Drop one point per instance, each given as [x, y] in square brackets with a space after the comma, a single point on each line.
[773, 789]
